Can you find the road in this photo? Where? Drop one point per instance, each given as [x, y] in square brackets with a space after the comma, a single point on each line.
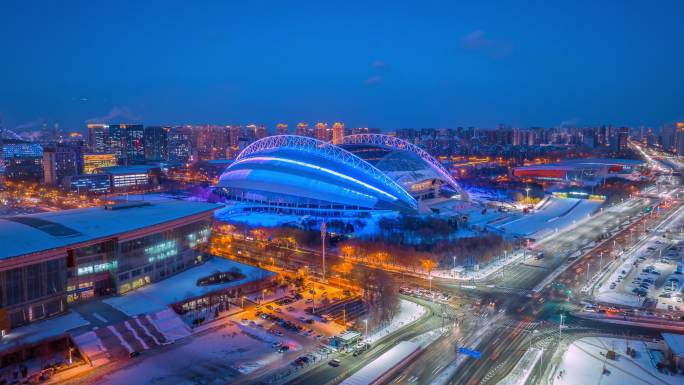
[325, 374]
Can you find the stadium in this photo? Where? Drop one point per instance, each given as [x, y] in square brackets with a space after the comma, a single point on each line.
[299, 175]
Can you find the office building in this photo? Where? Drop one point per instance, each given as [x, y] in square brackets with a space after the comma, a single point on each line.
[60, 160]
[99, 141]
[88, 183]
[93, 162]
[156, 143]
[50, 259]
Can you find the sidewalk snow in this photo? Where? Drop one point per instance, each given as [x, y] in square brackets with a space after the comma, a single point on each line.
[169, 324]
[585, 362]
[522, 370]
[408, 312]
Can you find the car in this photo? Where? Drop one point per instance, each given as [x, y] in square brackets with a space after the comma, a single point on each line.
[334, 362]
[310, 300]
[290, 308]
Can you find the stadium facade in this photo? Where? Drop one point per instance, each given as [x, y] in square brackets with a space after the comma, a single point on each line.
[580, 172]
[299, 175]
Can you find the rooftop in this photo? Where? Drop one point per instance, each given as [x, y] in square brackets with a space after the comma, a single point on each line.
[33, 233]
[183, 286]
[128, 169]
[675, 342]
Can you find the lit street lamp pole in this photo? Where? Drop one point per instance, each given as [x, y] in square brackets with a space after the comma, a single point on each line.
[324, 229]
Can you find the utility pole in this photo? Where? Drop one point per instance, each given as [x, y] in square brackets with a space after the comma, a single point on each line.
[588, 272]
[324, 231]
[560, 329]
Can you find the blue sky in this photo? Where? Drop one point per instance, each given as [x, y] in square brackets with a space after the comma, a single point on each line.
[380, 64]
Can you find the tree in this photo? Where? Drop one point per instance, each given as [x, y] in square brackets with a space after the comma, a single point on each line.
[428, 265]
[380, 295]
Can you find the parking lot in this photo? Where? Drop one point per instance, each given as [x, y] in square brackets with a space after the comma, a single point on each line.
[647, 277]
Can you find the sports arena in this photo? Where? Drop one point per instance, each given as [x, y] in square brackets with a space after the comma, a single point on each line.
[299, 175]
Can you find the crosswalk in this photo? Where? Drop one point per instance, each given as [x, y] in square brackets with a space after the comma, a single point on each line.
[122, 339]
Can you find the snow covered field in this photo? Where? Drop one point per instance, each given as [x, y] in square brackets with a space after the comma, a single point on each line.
[556, 215]
[584, 361]
[409, 312]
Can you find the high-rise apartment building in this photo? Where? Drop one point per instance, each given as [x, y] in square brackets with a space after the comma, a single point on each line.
[302, 129]
[322, 131]
[179, 144]
[337, 132]
[281, 129]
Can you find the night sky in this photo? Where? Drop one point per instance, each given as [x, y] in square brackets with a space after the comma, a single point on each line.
[385, 64]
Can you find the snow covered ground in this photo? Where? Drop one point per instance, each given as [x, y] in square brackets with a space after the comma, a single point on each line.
[584, 363]
[409, 312]
[218, 357]
[556, 215]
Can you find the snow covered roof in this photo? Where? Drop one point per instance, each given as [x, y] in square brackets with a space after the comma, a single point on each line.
[675, 342]
[134, 169]
[33, 233]
[381, 365]
[183, 286]
[38, 331]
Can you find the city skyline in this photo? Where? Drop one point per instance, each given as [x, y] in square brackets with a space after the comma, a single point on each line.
[406, 66]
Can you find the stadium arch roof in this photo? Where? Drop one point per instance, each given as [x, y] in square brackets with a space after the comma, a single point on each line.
[394, 143]
[297, 155]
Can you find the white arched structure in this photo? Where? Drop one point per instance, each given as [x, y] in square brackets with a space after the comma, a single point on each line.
[325, 150]
[395, 143]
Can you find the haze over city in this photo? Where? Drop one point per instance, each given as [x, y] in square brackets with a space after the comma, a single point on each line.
[408, 64]
[352, 193]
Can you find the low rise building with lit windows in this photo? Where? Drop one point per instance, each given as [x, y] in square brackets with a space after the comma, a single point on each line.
[92, 163]
[129, 178]
[51, 259]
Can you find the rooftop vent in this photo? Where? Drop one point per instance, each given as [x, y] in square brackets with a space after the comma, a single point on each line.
[126, 205]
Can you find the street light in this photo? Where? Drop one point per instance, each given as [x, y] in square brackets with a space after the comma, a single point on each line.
[527, 191]
[366, 322]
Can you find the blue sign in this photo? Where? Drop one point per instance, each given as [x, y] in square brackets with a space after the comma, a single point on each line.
[473, 353]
